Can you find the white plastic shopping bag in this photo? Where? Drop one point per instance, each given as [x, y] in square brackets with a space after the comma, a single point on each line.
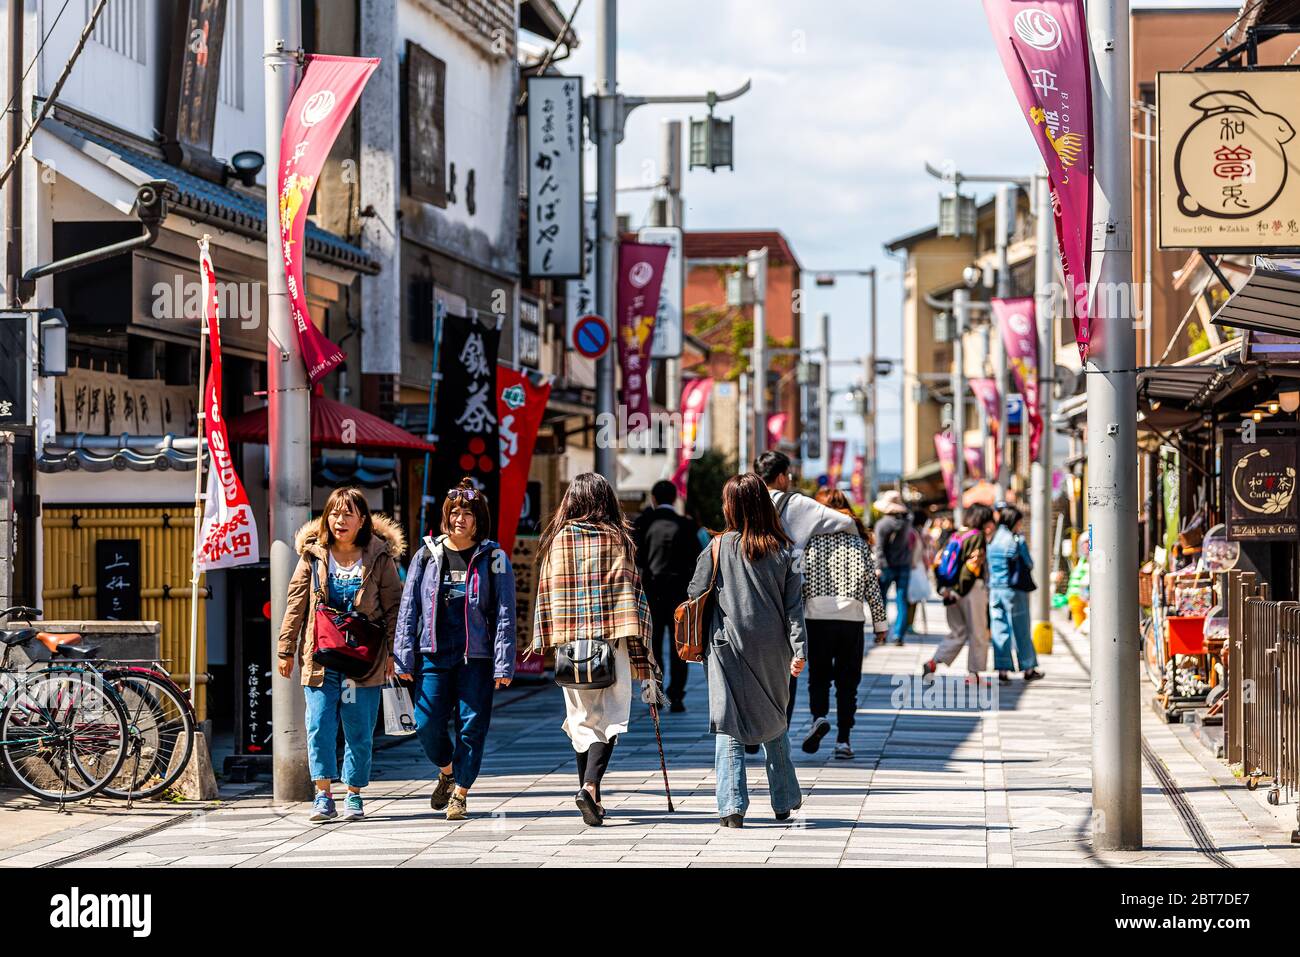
[399, 714]
[918, 585]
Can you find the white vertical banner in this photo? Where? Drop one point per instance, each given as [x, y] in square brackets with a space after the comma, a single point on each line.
[555, 217]
[580, 294]
[667, 341]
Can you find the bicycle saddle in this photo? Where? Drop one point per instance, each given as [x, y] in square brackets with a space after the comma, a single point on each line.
[18, 636]
[69, 645]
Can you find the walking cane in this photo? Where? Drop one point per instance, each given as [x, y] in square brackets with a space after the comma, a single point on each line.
[663, 765]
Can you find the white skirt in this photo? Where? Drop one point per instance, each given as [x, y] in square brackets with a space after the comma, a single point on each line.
[593, 715]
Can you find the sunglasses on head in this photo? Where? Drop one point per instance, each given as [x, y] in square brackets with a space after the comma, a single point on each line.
[468, 494]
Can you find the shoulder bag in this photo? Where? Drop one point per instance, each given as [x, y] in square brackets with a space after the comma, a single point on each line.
[690, 618]
[347, 641]
[584, 663]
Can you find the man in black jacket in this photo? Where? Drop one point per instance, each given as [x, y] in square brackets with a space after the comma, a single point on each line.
[667, 545]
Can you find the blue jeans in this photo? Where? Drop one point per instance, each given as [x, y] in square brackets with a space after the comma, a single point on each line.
[358, 708]
[1009, 618]
[466, 688]
[729, 767]
[899, 576]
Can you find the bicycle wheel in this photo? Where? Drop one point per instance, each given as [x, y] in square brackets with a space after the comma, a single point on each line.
[63, 736]
[1151, 657]
[160, 734]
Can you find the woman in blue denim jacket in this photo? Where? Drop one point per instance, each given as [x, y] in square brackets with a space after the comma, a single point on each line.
[1009, 607]
[456, 641]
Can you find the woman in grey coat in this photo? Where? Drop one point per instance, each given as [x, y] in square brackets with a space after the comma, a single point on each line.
[756, 642]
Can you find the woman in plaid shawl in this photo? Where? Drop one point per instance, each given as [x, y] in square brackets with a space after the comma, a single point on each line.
[589, 587]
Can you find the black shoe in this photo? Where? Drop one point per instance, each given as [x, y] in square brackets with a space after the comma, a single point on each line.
[441, 792]
[785, 815]
[732, 820]
[590, 810]
[676, 707]
[898, 641]
[1033, 674]
[1004, 678]
[751, 748]
[821, 727]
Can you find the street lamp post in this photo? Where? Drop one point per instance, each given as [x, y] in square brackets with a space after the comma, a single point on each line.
[960, 315]
[607, 113]
[826, 277]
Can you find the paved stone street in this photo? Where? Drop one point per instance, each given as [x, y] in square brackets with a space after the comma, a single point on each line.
[929, 786]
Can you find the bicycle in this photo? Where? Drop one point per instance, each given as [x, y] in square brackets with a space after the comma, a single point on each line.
[53, 720]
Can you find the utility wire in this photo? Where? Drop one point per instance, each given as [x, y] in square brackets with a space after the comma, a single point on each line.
[39, 50]
[1245, 11]
[54, 93]
[546, 61]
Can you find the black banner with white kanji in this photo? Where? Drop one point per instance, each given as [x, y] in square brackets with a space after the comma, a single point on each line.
[466, 417]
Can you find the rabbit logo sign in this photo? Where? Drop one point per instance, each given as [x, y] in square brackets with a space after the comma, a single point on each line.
[1236, 184]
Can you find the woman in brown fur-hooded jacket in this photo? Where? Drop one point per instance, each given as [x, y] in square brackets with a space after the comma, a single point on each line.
[348, 560]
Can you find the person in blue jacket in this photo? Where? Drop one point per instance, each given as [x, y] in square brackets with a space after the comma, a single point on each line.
[1008, 606]
[456, 641]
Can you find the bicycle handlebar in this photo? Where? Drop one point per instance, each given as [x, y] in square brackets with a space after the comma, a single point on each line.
[21, 611]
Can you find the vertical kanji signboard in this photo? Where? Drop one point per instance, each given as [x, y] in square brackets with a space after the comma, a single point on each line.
[555, 209]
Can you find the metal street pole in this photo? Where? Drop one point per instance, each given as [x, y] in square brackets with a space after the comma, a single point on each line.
[289, 412]
[1112, 451]
[1002, 228]
[757, 270]
[1040, 496]
[961, 316]
[824, 394]
[672, 164]
[869, 436]
[607, 130]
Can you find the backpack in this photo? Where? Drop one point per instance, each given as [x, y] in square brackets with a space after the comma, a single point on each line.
[947, 567]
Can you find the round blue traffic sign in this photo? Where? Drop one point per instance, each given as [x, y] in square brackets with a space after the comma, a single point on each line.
[591, 336]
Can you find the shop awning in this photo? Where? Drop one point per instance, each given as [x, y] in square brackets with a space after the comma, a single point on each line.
[335, 426]
[1269, 299]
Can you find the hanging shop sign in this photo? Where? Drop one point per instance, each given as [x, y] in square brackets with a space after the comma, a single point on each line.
[330, 88]
[15, 369]
[117, 579]
[555, 214]
[667, 342]
[580, 293]
[1261, 498]
[1229, 163]
[1043, 45]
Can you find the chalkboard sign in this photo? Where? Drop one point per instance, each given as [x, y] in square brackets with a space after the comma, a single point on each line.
[117, 579]
[1262, 503]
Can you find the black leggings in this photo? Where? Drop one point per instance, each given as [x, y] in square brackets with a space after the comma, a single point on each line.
[593, 762]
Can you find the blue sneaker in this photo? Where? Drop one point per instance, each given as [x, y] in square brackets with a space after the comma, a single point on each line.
[353, 808]
[322, 809]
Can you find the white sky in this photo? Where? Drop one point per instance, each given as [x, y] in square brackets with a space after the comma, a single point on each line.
[848, 100]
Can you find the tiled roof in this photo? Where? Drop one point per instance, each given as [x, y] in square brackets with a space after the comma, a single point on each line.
[212, 202]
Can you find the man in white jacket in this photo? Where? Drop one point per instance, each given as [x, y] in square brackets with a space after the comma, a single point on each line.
[801, 517]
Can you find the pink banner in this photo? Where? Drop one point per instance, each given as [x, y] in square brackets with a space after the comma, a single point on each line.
[228, 536]
[330, 88]
[695, 402]
[974, 462]
[640, 275]
[986, 390]
[858, 480]
[1044, 49]
[776, 428]
[946, 449]
[835, 468]
[1019, 329]
[520, 404]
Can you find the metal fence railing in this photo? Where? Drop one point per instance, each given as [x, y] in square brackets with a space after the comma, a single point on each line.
[1262, 718]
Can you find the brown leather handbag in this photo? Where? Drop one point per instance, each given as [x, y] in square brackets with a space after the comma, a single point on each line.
[691, 617]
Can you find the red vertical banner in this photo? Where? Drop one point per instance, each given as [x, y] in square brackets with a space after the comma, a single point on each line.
[1044, 49]
[228, 536]
[1019, 329]
[776, 428]
[640, 276]
[858, 480]
[986, 390]
[695, 402]
[330, 88]
[835, 467]
[520, 404]
[946, 448]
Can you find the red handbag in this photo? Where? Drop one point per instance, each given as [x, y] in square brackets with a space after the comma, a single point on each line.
[347, 641]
